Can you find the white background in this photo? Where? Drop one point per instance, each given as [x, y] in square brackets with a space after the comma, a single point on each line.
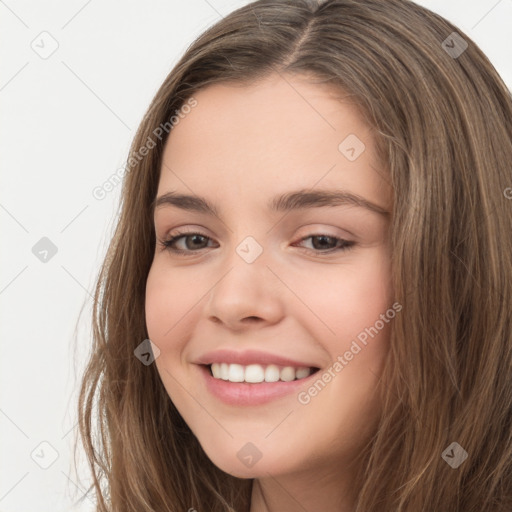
[67, 123]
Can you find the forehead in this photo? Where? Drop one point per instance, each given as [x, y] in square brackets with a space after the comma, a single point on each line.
[267, 137]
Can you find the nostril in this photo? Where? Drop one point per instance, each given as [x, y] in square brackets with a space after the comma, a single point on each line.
[252, 319]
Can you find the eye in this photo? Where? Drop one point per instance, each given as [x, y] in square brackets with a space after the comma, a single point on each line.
[196, 239]
[321, 243]
[325, 242]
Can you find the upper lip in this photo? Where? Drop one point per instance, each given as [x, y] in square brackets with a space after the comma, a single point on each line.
[247, 357]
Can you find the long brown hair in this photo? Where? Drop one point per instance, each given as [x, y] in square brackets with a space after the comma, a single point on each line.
[442, 119]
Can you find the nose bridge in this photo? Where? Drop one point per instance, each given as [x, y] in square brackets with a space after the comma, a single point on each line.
[247, 287]
[246, 272]
[249, 250]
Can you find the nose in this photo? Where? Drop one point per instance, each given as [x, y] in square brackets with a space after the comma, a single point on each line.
[247, 294]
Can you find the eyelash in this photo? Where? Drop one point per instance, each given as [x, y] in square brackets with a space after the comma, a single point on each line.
[168, 244]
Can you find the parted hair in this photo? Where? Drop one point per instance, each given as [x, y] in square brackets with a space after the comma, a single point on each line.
[441, 117]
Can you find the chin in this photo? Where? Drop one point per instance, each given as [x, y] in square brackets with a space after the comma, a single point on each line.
[232, 466]
[244, 459]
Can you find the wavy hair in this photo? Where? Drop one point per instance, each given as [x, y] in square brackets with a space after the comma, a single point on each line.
[442, 122]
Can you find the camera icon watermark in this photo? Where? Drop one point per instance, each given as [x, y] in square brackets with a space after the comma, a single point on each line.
[454, 455]
[146, 352]
[454, 45]
[45, 45]
[249, 249]
[352, 147]
[249, 455]
[44, 250]
[44, 455]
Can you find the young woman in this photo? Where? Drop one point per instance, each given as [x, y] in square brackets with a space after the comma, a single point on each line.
[307, 303]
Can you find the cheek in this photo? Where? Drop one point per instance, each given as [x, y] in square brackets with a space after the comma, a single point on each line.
[170, 318]
[367, 295]
[343, 300]
[156, 305]
[351, 304]
[168, 307]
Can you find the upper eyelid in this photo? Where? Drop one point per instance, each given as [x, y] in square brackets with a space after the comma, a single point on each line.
[311, 228]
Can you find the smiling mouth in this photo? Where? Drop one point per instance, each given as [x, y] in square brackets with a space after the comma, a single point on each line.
[257, 373]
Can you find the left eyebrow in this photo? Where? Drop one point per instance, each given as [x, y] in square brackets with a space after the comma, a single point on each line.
[297, 200]
[302, 199]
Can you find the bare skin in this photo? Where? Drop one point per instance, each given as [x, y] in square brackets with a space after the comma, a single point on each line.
[238, 148]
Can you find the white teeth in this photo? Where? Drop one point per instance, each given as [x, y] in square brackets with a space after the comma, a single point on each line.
[302, 373]
[224, 371]
[236, 373]
[216, 370]
[272, 373]
[288, 374]
[256, 373]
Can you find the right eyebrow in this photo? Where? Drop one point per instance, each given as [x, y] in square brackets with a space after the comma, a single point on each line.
[186, 202]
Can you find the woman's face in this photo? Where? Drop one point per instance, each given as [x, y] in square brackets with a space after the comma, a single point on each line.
[280, 279]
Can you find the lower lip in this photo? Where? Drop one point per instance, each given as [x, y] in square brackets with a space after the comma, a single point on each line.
[245, 393]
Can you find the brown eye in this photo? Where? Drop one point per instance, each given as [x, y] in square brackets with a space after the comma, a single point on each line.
[327, 243]
[193, 242]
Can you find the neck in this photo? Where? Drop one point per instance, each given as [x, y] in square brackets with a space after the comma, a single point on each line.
[330, 492]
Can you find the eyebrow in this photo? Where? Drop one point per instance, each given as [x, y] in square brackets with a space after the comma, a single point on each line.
[296, 200]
